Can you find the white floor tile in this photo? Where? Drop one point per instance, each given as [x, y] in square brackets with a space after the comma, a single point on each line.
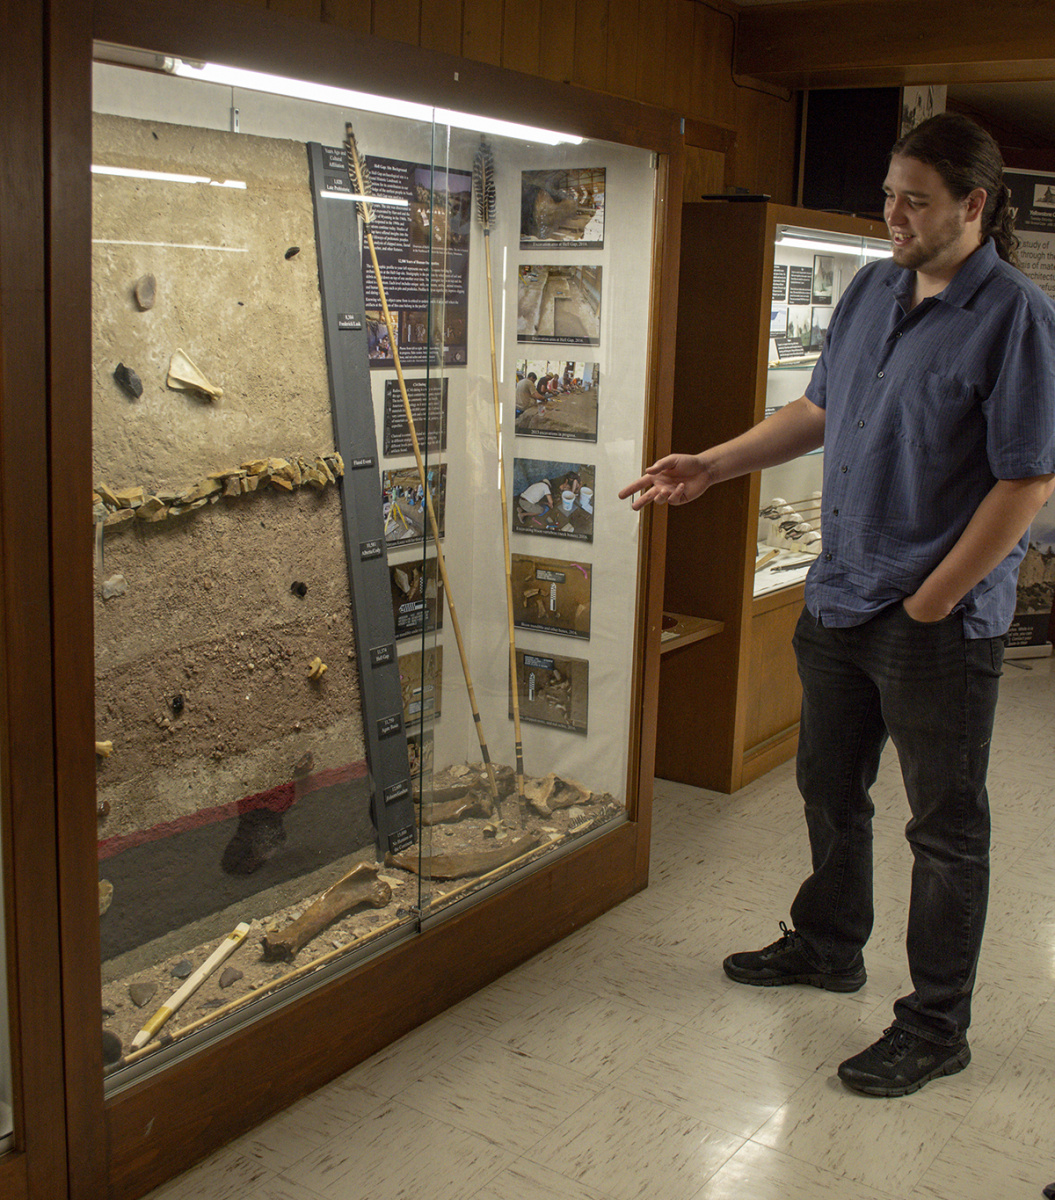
[629, 1148]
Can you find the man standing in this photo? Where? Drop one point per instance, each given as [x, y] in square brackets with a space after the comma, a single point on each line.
[934, 400]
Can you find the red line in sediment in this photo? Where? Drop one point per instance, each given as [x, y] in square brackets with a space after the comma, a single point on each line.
[278, 799]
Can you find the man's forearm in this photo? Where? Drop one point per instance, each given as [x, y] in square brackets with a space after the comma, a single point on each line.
[792, 430]
[992, 533]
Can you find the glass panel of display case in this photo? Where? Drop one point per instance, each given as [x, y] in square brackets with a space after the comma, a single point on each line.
[536, 541]
[365, 384]
[811, 270]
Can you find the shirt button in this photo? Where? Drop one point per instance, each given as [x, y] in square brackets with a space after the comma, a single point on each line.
[828, 558]
[835, 512]
[897, 335]
[845, 469]
[860, 424]
[879, 374]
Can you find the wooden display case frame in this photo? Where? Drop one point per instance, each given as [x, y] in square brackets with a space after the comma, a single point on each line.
[729, 704]
[123, 1146]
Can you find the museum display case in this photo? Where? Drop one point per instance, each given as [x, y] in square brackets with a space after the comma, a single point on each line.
[375, 673]
[759, 282]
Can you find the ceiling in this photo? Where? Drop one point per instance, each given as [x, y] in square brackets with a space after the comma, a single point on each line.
[1028, 106]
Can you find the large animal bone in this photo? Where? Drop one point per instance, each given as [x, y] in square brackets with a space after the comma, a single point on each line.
[457, 866]
[456, 782]
[552, 792]
[476, 803]
[359, 886]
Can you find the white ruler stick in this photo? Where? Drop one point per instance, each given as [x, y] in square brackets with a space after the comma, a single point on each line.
[226, 948]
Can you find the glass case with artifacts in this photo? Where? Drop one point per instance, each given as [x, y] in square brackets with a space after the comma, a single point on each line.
[758, 284]
[811, 269]
[364, 594]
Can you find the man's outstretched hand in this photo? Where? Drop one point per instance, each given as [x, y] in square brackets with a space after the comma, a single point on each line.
[676, 479]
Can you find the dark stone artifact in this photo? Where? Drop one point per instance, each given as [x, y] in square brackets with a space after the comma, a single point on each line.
[292, 252]
[177, 705]
[129, 380]
[112, 1048]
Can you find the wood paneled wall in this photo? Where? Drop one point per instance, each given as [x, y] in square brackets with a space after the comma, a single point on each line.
[676, 54]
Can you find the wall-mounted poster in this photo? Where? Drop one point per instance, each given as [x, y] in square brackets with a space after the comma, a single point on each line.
[823, 278]
[553, 690]
[403, 503]
[557, 399]
[421, 682]
[428, 407]
[559, 304]
[778, 321]
[417, 597]
[435, 214]
[819, 322]
[553, 498]
[920, 102]
[562, 207]
[551, 595]
[780, 283]
[800, 285]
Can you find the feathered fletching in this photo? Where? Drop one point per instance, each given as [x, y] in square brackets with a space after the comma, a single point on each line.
[484, 184]
[358, 175]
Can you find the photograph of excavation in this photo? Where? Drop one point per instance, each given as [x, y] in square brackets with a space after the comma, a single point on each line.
[551, 595]
[557, 399]
[561, 207]
[559, 304]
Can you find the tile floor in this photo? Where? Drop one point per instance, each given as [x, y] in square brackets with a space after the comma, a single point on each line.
[622, 1064]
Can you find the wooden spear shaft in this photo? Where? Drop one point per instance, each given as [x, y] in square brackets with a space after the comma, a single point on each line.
[441, 564]
[513, 681]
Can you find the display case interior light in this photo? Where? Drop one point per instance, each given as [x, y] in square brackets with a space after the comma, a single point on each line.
[322, 93]
[868, 249]
[164, 176]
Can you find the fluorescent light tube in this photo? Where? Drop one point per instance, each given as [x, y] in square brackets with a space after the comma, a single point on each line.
[321, 93]
[801, 243]
[164, 176]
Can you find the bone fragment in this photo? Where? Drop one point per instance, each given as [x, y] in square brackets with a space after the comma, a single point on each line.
[104, 749]
[359, 886]
[552, 792]
[476, 803]
[316, 668]
[456, 781]
[457, 866]
[184, 376]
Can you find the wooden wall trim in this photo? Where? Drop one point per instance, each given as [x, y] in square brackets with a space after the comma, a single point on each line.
[240, 35]
[892, 42]
[69, 320]
[38, 1166]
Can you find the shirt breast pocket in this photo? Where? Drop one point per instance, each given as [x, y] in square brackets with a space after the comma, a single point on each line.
[933, 413]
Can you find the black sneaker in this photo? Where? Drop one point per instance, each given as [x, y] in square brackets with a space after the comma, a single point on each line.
[901, 1063]
[786, 961]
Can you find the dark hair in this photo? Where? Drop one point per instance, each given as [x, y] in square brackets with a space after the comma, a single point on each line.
[966, 157]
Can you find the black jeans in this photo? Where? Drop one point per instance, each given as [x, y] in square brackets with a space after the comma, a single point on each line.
[933, 692]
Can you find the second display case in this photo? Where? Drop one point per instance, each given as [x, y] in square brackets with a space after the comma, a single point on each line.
[758, 285]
